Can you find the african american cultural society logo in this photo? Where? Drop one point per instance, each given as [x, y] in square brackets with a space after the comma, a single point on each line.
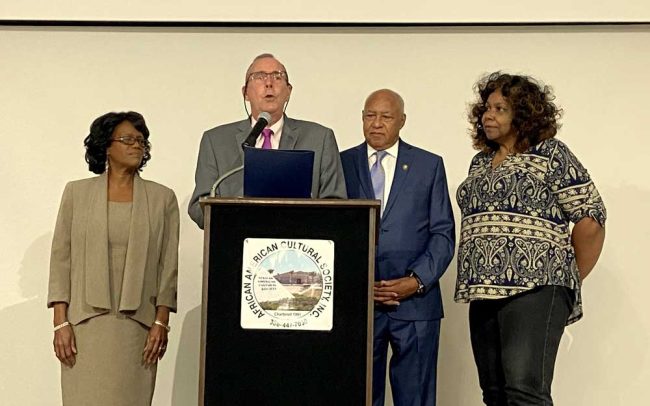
[287, 284]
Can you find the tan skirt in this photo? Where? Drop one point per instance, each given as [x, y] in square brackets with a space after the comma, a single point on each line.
[109, 370]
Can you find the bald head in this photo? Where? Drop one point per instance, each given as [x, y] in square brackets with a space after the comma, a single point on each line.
[391, 95]
[383, 118]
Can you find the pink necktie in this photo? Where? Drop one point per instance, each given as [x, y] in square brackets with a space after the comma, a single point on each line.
[267, 133]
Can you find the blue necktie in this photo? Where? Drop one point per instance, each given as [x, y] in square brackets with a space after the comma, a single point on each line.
[378, 178]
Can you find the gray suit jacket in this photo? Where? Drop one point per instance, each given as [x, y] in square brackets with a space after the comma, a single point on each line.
[221, 151]
[79, 263]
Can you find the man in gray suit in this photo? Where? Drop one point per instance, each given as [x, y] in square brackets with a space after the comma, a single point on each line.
[267, 89]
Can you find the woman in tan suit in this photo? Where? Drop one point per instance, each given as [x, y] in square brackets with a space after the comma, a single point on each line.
[113, 270]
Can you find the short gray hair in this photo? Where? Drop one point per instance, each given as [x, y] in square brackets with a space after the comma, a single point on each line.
[263, 56]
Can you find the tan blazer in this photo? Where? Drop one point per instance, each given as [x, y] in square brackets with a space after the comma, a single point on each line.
[79, 271]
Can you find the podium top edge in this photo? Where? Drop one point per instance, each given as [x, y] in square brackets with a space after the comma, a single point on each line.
[289, 202]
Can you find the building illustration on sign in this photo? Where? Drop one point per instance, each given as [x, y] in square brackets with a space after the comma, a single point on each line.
[304, 290]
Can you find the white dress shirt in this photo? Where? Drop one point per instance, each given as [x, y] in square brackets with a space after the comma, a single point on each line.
[275, 138]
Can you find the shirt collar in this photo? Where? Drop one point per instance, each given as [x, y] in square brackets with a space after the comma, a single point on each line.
[392, 151]
[277, 127]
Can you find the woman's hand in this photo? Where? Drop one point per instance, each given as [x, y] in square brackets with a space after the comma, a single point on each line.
[156, 345]
[65, 347]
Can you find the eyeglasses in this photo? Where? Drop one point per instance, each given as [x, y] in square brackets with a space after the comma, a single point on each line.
[275, 76]
[129, 140]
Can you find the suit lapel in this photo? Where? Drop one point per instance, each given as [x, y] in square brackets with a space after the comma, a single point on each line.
[363, 171]
[290, 134]
[402, 168]
[136, 252]
[244, 128]
[96, 262]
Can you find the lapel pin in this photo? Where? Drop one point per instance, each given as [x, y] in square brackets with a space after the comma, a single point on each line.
[405, 167]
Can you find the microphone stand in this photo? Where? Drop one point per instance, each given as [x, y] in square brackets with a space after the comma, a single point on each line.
[213, 190]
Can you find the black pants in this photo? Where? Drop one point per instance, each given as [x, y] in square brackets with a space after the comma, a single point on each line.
[515, 342]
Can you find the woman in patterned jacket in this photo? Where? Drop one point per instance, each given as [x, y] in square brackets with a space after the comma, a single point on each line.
[520, 265]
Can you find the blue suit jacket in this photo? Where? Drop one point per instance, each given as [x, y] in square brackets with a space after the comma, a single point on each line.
[417, 227]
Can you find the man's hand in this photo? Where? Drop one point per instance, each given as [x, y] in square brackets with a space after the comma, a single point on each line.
[391, 292]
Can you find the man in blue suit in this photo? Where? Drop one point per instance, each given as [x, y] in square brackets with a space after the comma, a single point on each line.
[416, 243]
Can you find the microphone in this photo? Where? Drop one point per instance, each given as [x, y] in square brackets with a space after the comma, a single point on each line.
[263, 119]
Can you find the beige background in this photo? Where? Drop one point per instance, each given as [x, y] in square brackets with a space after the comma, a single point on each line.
[56, 81]
[330, 11]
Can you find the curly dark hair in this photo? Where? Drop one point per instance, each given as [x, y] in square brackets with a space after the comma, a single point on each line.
[535, 116]
[101, 137]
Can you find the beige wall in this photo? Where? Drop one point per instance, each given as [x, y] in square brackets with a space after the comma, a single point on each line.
[330, 11]
[56, 81]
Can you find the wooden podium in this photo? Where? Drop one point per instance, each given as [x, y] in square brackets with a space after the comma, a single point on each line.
[286, 366]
